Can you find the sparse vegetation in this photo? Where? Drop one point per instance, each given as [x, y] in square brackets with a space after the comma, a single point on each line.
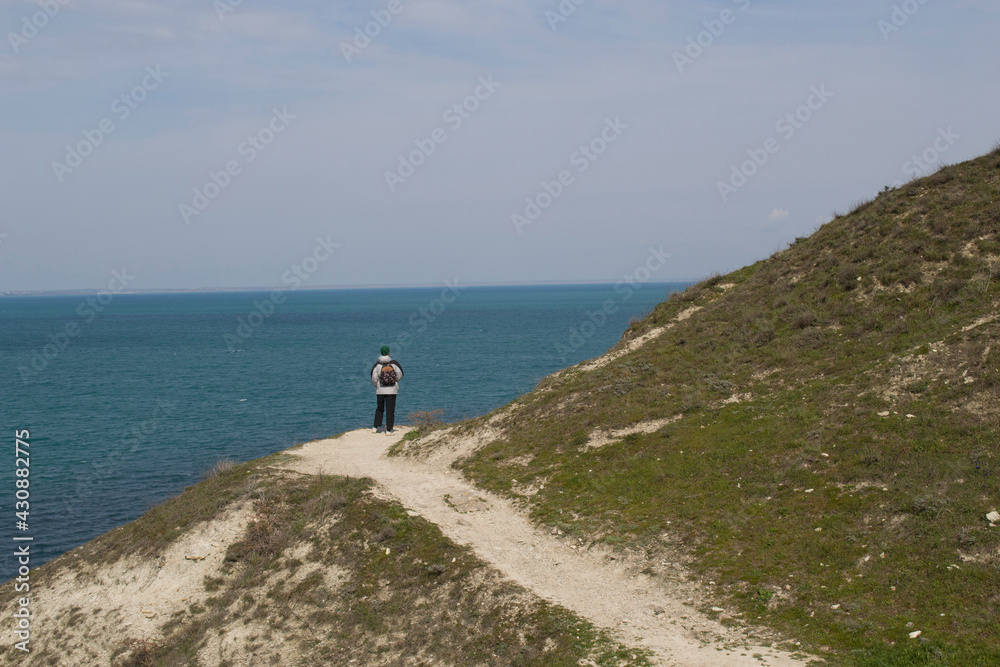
[426, 420]
[221, 467]
[138, 653]
[830, 473]
[841, 492]
[326, 573]
[423, 422]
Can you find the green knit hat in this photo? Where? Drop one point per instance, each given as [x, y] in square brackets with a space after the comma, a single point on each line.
[385, 350]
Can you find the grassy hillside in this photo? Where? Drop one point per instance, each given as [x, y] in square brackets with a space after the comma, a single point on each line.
[323, 573]
[836, 451]
[814, 437]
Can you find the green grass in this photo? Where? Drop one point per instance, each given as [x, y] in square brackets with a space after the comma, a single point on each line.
[813, 514]
[401, 588]
[822, 354]
[391, 561]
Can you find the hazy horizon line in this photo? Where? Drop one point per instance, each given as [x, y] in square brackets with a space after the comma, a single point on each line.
[321, 288]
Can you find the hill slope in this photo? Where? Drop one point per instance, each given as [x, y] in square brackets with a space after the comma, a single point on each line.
[261, 566]
[817, 431]
[811, 441]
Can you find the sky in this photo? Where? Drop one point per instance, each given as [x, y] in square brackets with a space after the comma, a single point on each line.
[236, 143]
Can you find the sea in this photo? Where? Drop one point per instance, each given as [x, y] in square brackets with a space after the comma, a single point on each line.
[129, 398]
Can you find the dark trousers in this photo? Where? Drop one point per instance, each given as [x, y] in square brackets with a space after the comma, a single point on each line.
[387, 406]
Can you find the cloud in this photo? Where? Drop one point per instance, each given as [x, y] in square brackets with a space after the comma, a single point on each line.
[609, 59]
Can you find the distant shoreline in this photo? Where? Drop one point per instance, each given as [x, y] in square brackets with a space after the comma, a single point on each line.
[328, 288]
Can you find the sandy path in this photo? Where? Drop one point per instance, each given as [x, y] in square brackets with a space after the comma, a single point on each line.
[607, 592]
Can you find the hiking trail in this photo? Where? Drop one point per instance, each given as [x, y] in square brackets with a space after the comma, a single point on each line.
[602, 586]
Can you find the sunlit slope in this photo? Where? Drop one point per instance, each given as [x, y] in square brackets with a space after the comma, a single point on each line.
[815, 433]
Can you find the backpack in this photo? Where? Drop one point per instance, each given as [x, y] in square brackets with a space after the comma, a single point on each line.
[387, 376]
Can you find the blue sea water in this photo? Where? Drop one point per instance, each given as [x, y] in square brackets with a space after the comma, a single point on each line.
[149, 390]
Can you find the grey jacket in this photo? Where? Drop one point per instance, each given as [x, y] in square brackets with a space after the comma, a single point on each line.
[377, 370]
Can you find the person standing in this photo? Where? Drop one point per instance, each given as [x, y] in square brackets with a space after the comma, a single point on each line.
[386, 374]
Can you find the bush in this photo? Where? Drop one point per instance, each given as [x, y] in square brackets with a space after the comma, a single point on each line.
[859, 206]
[848, 275]
[220, 467]
[713, 280]
[138, 653]
[805, 319]
[426, 420]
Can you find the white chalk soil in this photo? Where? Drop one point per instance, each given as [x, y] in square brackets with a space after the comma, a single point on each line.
[604, 587]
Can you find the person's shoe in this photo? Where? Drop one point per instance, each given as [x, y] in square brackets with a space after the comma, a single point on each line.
[374, 430]
[390, 433]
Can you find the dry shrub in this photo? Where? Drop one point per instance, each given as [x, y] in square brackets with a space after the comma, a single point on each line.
[138, 653]
[847, 277]
[804, 319]
[426, 420]
[220, 467]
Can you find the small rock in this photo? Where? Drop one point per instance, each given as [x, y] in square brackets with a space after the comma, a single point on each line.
[910, 416]
[718, 609]
[909, 625]
[659, 610]
[993, 517]
[884, 414]
[915, 634]
[836, 606]
[810, 490]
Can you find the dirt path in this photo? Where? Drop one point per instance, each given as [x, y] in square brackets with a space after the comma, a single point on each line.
[606, 591]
